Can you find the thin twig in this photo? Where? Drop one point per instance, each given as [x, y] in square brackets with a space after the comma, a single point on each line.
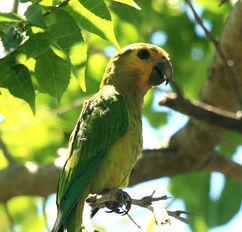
[132, 220]
[6, 152]
[102, 200]
[147, 200]
[177, 214]
[205, 112]
[227, 62]
[23, 25]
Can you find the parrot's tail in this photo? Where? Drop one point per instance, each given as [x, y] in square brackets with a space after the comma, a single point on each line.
[73, 222]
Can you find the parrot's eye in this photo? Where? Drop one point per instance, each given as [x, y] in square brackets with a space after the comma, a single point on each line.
[143, 54]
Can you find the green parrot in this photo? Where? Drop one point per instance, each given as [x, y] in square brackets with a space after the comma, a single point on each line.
[107, 139]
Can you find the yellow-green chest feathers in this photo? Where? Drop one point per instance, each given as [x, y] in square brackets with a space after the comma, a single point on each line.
[120, 160]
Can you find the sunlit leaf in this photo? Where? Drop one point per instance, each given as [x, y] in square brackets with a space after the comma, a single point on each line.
[52, 73]
[94, 16]
[17, 80]
[47, 2]
[20, 125]
[67, 36]
[9, 17]
[25, 212]
[34, 1]
[130, 3]
[4, 225]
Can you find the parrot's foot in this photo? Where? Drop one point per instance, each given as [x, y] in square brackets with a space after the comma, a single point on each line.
[122, 205]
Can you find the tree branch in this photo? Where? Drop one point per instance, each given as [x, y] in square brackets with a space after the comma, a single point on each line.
[30, 179]
[229, 63]
[204, 112]
[165, 162]
[41, 180]
[229, 168]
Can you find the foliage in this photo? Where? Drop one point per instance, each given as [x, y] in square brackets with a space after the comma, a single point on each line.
[47, 53]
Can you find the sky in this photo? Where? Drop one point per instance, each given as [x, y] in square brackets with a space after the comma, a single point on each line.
[152, 138]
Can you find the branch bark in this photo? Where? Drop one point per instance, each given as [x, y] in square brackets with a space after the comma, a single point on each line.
[30, 179]
[33, 179]
[204, 112]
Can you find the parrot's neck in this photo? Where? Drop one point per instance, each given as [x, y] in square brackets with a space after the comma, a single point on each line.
[132, 96]
[134, 101]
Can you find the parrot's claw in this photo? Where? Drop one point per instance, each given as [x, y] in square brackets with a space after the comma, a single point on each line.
[122, 205]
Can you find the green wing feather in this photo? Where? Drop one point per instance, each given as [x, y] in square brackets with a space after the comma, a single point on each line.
[103, 120]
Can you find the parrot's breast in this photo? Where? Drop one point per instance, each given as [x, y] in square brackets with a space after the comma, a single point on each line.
[120, 160]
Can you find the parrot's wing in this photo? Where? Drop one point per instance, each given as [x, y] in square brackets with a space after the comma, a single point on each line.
[103, 120]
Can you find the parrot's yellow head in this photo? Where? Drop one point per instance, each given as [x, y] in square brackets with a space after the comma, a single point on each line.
[138, 67]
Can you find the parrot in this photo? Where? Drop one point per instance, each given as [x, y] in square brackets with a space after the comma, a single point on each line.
[107, 139]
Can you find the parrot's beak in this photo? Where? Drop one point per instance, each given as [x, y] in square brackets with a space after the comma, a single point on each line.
[161, 72]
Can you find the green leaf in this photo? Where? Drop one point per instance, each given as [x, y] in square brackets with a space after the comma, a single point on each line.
[52, 73]
[67, 36]
[130, 3]
[36, 44]
[17, 80]
[33, 1]
[93, 16]
[12, 38]
[9, 17]
[229, 143]
[222, 210]
[155, 118]
[193, 188]
[34, 15]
